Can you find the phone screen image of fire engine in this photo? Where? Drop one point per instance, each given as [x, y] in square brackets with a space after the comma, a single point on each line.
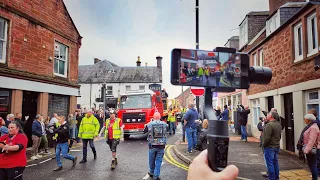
[209, 69]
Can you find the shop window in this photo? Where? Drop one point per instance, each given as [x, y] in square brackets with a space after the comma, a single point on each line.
[313, 101]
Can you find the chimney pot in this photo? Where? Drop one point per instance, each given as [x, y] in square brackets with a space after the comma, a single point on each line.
[96, 60]
[159, 61]
[138, 62]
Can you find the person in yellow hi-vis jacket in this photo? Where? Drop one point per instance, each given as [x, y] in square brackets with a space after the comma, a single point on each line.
[172, 122]
[113, 132]
[88, 130]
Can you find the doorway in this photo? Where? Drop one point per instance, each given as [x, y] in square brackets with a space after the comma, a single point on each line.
[270, 103]
[289, 121]
[29, 108]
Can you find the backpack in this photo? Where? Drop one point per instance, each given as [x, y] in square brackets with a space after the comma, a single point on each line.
[157, 133]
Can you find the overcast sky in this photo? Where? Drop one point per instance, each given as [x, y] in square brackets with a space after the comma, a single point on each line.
[121, 30]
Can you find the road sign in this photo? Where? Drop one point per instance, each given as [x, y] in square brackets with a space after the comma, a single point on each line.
[197, 91]
[155, 87]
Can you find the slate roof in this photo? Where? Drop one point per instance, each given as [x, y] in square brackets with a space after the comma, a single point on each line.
[108, 72]
[258, 13]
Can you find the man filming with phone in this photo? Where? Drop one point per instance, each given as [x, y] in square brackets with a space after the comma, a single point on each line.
[243, 120]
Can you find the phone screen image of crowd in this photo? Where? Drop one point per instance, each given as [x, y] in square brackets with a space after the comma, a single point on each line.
[209, 69]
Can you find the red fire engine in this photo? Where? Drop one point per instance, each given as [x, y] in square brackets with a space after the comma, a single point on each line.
[137, 108]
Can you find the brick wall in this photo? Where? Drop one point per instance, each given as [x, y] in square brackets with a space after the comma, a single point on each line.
[186, 97]
[234, 43]
[31, 44]
[255, 24]
[278, 55]
[275, 4]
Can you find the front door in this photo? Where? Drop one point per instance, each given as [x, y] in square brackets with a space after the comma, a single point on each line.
[270, 103]
[289, 121]
[29, 108]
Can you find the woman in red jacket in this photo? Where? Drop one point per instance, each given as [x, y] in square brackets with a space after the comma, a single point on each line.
[13, 158]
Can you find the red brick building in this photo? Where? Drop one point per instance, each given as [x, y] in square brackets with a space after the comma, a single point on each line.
[289, 45]
[39, 49]
[186, 98]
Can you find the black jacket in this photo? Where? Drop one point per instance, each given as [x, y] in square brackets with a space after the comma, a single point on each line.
[63, 133]
[22, 123]
[243, 116]
[202, 140]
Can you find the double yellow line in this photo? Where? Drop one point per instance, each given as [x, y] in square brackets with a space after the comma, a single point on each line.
[168, 157]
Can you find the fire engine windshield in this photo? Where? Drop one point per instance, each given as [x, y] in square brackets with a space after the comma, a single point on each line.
[135, 101]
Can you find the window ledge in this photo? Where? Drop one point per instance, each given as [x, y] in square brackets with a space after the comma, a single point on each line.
[312, 53]
[305, 60]
[59, 75]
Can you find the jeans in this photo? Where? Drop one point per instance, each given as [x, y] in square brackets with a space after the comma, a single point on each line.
[318, 160]
[172, 127]
[183, 131]
[312, 163]
[84, 147]
[244, 132]
[155, 161]
[73, 133]
[44, 142]
[63, 149]
[192, 138]
[271, 156]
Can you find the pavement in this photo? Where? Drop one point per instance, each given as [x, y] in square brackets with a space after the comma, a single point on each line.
[248, 157]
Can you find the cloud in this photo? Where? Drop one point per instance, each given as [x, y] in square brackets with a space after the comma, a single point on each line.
[121, 30]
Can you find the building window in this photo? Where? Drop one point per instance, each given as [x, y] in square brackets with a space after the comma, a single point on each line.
[3, 40]
[312, 34]
[128, 88]
[243, 33]
[298, 42]
[313, 101]
[60, 59]
[193, 54]
[109, 91]
[255, 60]
[256, 111]
[261, 57]
[273, 23]
[141, 87]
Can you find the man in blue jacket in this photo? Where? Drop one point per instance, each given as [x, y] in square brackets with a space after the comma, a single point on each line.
[190, 125]
[225, 114]
[36, 136]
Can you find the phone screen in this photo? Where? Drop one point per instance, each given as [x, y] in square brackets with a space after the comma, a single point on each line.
[205, 68]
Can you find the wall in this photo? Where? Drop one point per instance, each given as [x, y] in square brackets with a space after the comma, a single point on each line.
[31, 45]
[84, 100]
[278, 55]
[255, 24]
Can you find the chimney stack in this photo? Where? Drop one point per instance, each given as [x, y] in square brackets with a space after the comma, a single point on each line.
[276, 4]
[159, 61]
[138, 62]
[96, 60]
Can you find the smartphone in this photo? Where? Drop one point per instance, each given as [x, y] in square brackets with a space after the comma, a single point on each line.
[209, 69]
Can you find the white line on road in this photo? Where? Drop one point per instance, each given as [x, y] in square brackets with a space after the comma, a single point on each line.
[45, 161]
[31, 165]
[75, 150]
[146, 177]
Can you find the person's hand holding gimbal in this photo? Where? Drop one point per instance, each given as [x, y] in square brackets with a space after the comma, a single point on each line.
[200, 170]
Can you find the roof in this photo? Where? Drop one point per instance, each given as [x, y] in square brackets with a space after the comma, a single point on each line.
[255, 13]
[258, 13]
[106, 71]
[301, 11]
[293, 4]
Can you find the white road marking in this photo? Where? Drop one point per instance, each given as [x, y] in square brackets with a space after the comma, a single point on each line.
[75, 150]
[45, 161]
[31, 165]
[146, 177]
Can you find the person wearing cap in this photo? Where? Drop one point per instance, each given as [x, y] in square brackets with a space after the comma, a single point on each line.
[89, 129]
[36, 137]
[113, 132]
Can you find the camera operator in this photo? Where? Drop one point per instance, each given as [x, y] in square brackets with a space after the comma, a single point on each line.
[243, 120]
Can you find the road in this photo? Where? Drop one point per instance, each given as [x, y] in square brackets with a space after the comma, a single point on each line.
[132, 159]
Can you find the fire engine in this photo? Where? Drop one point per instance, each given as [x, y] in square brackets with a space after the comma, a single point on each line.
[137, 109]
